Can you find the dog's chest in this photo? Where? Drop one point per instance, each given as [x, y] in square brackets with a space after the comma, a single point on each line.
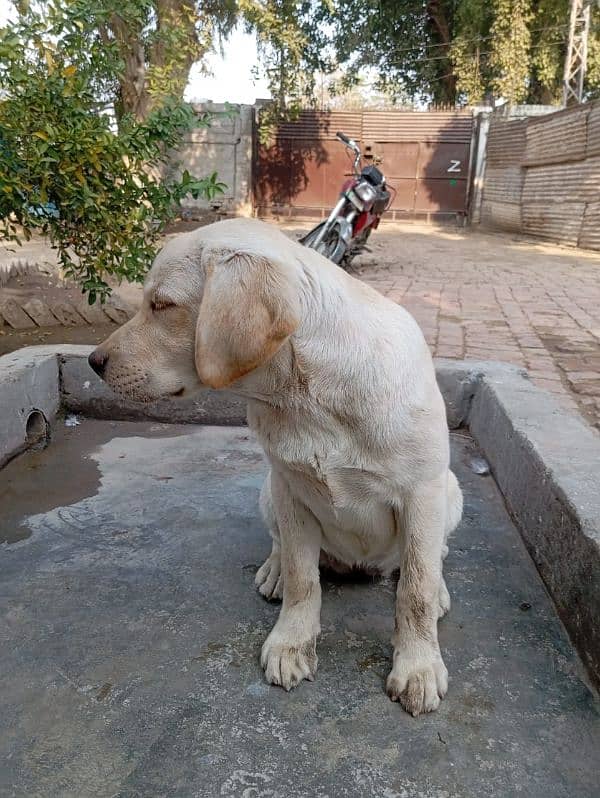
[326, 457]
[329, 473]
[327, 468]
[358, 525]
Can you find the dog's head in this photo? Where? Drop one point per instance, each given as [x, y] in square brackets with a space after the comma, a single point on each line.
[217, 304]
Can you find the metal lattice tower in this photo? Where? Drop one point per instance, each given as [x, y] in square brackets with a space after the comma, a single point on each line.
[575, 64]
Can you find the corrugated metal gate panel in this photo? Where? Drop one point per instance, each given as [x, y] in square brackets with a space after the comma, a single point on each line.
[442, 171]
[557, 221]
[383, 126]
[590, 229]
[504, 183]
[425, 157]
[447, 196]
[273, 179]
[399, 159]
[557, 138]
[312, 125]
[564, 182]
[436, 158]
[593, 138]
[506, 141]
[406, 191]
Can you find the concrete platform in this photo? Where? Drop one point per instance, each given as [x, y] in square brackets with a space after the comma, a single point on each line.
[130, 632]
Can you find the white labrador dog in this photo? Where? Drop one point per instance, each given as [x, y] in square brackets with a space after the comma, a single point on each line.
[342, 395]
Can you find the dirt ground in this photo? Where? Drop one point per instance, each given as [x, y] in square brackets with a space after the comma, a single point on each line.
[477, 295]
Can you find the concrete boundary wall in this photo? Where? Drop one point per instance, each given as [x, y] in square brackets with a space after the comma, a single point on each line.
[545, 461]
[225, 147]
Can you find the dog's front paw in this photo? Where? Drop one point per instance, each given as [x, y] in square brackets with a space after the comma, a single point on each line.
[287, 664]
[418, 681]
[268, 578]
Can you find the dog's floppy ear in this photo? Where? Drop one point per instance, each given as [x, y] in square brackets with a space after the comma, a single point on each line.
[250, 305]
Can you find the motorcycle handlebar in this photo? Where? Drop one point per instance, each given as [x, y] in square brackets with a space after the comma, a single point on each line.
[342, 137]
[351, 144]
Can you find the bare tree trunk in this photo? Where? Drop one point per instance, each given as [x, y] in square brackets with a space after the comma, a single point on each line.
[133, 91]
[175, 49]
[438, 18]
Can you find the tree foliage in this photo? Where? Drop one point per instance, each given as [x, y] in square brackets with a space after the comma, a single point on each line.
[283, 45]
[449, 51]
[510, 49]
[64, 171]
[157, 42]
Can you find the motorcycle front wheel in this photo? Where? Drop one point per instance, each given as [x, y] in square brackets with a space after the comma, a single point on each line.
[332, 246]
[358, 246]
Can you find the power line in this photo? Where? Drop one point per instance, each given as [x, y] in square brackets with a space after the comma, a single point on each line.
[448, 57]
[437, 78]
[475, 39]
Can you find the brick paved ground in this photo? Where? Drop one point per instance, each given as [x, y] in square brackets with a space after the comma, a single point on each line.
[487, 296]
[475, 295]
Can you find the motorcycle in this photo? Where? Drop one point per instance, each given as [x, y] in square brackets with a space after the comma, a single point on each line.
[363, 200]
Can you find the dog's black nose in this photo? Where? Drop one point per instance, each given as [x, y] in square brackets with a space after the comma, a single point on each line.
[98, 360]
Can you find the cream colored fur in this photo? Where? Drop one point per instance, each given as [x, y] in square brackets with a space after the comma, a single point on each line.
[342, 396]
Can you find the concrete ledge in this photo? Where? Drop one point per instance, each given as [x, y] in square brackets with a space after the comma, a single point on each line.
[29, 398]
[545, 461]
[459, 381]
[83, 392]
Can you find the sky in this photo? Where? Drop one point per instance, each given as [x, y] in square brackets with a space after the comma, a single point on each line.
[230, 76]
[231, 79]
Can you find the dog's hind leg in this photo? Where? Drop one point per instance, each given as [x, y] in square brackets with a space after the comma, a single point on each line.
[453, 516]
[269, 580]
[454, 508]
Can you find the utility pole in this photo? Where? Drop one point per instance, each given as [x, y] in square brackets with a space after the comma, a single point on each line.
[575, 64]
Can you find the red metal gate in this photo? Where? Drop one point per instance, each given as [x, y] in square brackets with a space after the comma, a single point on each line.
[425, 157]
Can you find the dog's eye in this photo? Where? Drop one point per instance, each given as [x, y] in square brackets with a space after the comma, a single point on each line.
[161, 304]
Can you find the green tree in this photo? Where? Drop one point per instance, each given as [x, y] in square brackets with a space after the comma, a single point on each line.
[510, 54]
[64, 171]
[157, 42]
[283, 45]
[448, 51]
[405, 42]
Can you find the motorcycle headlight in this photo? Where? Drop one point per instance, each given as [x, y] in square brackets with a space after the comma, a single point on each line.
[366, 192]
